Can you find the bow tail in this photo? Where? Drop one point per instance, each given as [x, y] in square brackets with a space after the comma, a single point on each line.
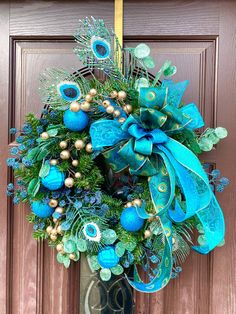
[163, 271]
[212, 221]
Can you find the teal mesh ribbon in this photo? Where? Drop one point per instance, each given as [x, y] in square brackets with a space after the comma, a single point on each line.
[144, 145]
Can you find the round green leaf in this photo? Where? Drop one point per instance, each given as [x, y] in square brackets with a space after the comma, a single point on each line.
[120, 249]
[222, 243]
[166, 65]
[221, 132]
[69, 246]
[117, 270]
[130, 246]
[149, 62]
[170, 71]
[109, 236]
[93, 262]
[105, 274]
[141, 51]
[60, 258]
[81, 245]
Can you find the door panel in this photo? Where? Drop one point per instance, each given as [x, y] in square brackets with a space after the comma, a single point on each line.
[199, 37]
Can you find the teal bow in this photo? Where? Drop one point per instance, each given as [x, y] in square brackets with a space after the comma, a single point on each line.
[144, 145]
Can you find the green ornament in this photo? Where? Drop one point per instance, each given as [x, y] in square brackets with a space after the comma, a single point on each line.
[120, 249]
[69, 246]
[221, 132]
[109, 236]
[81, 245]
[141, 51]
[93, 262]
[105, 274]
[149, 62]
[117, 270]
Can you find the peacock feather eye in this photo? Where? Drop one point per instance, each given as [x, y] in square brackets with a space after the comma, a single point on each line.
[69, 91]
[100, 48]
[92, 232]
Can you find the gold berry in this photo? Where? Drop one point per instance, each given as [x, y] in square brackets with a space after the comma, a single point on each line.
[72, 256]
[59, 210]
[55, 220]
[44, 136]
[59, 230]
[53, 237]
[110, 109]
[89, 148]
[54, 232]
[69, 182]
[116, 113]
[93, 92]
[88, 97]
[65, 154]
[85, 106]
[63, 144]
[137, 202]
[114, 94]
[79, 144]
[74, 106]
[78, 175]
[147, 233]
[59, 247]
[49, 229]
[75, 163]
[129, 204]
[53, 162]
[122, 95]
[121, 120]
[127, 108]
[53, 203]
[106, 103]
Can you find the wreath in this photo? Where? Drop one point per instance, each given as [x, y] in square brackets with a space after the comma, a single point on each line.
[110, 169]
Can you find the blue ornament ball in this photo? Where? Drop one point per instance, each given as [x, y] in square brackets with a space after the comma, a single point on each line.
[130, 220]
[54, 180]
[75, 121]
[107, 257]
[41, 209]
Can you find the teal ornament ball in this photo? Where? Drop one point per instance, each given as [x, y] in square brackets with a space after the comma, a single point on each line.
[130, 220]
[107, 257]
[54, 180]
[75, 121]
[42, 209]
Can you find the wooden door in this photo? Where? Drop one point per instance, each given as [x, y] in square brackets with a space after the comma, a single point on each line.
[200, 38]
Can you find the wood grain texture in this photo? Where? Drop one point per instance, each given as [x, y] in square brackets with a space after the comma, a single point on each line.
[48, 18]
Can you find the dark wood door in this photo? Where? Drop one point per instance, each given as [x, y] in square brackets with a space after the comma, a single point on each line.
[200, 38]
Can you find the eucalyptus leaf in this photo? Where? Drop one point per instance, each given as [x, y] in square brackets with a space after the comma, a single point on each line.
[141, 51]
[60, 258]
[81, 245]
[66, 261]
[93, 262]
[120, 249]
[105, 274]
[170, 71]
[44, 170]
[33, 186]
[65, 225]
[165, 65]
[52, 132]
[70, 246]
[109, 236]
[117, 270]
[149, 62]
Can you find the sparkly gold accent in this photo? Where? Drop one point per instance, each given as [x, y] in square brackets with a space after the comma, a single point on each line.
[151, 95]
[162, 187]
[164, 172]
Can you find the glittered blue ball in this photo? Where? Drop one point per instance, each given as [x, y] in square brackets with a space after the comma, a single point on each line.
[41, 209]
[107, 257]
[130, 220]
[75, 121]
[54, 180]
